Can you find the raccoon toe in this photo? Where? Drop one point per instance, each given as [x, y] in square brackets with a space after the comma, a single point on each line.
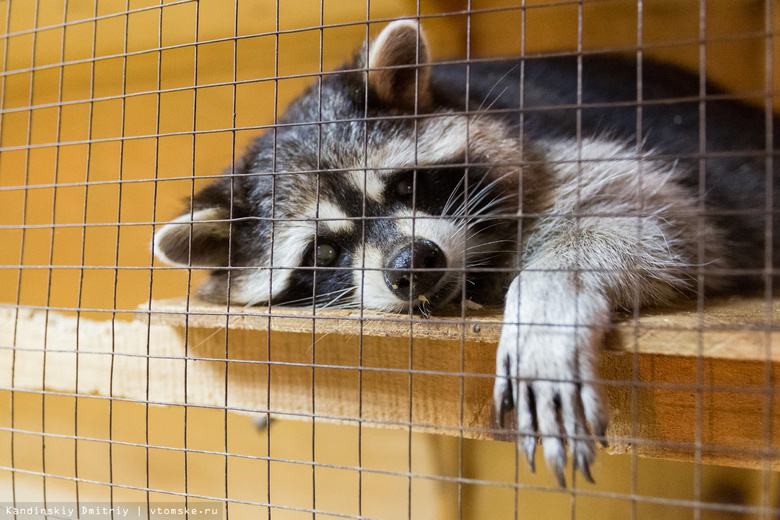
[514, 399]
[583, 464]
[555, 412]
[503, 400]
[529, 446]
[581, 443]
[595, 411]
[527, 423]
[548, 414]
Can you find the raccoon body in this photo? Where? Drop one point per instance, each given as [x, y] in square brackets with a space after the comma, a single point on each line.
[398, 184]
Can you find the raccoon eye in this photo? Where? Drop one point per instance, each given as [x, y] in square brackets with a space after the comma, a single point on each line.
[325, 255]
[404, 187]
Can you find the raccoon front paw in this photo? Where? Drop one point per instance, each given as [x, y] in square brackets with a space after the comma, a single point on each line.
[550, 400]
[546, 373]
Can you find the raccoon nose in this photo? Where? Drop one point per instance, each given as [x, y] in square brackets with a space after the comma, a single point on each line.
[422, 255]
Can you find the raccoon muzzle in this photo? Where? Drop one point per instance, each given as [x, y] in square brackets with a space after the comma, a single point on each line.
[415, 269]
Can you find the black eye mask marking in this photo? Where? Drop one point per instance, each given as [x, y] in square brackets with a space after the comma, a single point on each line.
[435, 190]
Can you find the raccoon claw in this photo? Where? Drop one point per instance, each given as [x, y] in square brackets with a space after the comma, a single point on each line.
[529, 443]
[558, 472]
[584, 467]
[541, 413]
[505, 400]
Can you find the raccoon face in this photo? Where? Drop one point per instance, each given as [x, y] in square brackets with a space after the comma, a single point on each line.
[370, 193]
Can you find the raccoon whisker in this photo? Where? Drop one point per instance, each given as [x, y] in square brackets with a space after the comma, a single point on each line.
[473, 199]
[473, 233]
[336, 330]
[474, 222]
[494, 181]
[485, 256]
[337, 291]
[255, 301]
[501, 198]
[462, 212]
[339, 306]
[463, 228]
[481, 263]
[326, 300]
[451, 199]
[194, 347]
[335, 304]
[463, 224]
[485, 244]
[467, 222]
[498, 200]
[492, 254]
[480, 195]
[480, 113]
[477, 186]
[474, 251]
[486, 189]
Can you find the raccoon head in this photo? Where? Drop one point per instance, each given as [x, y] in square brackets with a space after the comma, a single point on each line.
[375, 191]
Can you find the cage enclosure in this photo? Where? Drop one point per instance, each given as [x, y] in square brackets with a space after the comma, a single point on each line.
[125, 394]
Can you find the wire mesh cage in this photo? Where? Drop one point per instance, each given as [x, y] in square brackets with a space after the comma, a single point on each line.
[341, 323]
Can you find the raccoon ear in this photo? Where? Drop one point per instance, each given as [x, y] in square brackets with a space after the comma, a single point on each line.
[403, 47]
[199, 239]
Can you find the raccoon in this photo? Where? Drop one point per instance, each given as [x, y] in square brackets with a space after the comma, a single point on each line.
[552, 186]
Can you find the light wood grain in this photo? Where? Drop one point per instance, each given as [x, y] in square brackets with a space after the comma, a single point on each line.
[681, 385]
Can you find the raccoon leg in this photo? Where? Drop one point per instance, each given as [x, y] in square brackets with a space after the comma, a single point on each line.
[547, 357]
[616, 233]
[558, 309]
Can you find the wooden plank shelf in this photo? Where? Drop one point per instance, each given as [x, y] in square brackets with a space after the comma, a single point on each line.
[682, 384]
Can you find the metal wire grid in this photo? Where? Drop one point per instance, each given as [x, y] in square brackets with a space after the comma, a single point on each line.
[118, 310]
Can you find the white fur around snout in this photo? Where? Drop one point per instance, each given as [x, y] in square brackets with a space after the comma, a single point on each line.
[368, 276]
